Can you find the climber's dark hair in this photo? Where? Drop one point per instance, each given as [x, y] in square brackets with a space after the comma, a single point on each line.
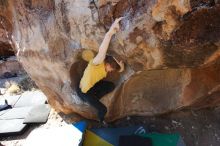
[110, 60]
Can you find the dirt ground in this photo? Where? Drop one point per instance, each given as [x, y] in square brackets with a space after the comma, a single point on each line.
[198, 128]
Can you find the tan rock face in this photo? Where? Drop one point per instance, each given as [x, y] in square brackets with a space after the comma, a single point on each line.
[171, 50]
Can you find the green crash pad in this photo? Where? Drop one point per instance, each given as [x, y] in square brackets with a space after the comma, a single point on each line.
[159, 139]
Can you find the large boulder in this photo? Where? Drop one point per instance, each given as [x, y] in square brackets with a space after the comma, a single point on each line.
[5, 31]
[171, 49]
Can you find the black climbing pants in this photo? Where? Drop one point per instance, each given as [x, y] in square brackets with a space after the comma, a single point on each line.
[94, 94]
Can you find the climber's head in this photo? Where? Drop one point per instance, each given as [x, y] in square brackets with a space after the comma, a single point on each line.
[111, 64]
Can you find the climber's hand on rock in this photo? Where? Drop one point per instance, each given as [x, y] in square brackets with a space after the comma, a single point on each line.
[122, 66]
[115, 26]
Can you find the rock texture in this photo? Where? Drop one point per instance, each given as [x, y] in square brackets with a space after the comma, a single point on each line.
[171, 49]
[10, 68]
[5, 30]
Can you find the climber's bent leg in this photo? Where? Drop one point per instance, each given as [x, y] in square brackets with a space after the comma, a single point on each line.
[93, 101]
[101, 88]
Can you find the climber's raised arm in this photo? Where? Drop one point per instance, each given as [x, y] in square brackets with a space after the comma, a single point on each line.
[99, 58]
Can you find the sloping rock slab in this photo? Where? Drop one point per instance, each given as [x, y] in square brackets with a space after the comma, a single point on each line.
[31, 99]
[12, 127]
[67, 135]
[38, 114]
[4, 111]
[12, 99]
[16, 113]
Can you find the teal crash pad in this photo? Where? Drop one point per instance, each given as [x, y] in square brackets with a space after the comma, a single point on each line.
[159, 139]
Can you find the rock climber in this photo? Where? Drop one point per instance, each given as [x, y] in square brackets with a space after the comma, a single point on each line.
[92, 86]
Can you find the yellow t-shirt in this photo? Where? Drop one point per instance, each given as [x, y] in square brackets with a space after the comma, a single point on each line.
[92, 74]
